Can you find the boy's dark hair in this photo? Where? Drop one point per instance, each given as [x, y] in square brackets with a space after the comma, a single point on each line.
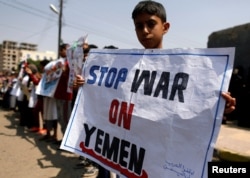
[150, 7]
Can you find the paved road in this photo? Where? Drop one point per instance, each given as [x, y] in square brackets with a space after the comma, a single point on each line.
[24, 156]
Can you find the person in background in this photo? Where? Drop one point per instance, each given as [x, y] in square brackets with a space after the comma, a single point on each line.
[50, 116]
[50, 119]
[78, 80]
[89, 167]
[5, 92]
[23, 98]
[38, 105]
[29, 90]
[13, 98]
[237, 89]
[62, 96]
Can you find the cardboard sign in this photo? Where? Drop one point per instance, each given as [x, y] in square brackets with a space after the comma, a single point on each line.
[150, 113]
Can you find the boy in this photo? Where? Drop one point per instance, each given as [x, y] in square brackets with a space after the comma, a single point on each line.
[151, 24]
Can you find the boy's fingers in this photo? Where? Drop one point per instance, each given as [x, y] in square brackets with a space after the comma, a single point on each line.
[230, 103]
[229, 110]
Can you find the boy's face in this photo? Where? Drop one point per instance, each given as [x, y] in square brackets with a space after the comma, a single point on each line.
[150, 30]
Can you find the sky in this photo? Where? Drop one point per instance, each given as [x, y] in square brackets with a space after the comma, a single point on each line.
[109, 22]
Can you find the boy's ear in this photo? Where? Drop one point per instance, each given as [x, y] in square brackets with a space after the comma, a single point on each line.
[166, 26]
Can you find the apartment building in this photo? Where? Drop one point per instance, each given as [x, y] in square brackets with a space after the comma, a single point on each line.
[12, 52]
[9, 55]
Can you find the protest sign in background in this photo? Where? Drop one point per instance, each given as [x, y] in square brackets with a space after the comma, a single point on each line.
[50, 78]
[150, 113]
[75, 56]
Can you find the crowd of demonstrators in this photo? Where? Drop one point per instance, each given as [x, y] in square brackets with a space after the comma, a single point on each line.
[22, 97]
[42, 114]
[7, 81]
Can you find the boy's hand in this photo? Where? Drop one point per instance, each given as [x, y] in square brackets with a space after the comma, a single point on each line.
[230, 102]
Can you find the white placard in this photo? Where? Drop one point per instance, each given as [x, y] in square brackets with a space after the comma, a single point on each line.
[151, 113]
[50, 78]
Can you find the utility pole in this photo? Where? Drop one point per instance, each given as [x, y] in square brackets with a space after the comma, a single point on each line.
[60, 27]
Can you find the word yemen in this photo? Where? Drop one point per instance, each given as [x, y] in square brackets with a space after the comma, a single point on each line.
[117, 153]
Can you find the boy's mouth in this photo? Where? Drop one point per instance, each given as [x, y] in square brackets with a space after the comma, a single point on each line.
[147, 40]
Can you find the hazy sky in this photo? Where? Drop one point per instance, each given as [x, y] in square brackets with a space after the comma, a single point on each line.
[109, 22]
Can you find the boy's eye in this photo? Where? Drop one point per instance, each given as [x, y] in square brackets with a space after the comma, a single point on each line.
[139, 26]
[151, 24]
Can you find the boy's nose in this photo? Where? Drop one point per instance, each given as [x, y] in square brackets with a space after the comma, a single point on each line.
[145, 29]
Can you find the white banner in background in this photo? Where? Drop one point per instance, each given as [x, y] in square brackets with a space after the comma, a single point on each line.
[75, 55]
[151, 113]
[50, 79]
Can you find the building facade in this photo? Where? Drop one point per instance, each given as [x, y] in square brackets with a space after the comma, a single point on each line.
[9, 55]
[12, 52]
